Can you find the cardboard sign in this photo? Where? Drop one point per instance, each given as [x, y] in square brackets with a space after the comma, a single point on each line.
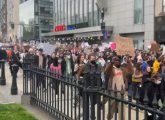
[124, 46]
[154, 47]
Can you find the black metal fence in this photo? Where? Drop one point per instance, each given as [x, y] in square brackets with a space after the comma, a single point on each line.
[67, 99]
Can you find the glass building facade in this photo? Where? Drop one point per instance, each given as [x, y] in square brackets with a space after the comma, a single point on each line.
[76, 13]
[26, 18]
[36, 17]
[163, 5]
[138, 11]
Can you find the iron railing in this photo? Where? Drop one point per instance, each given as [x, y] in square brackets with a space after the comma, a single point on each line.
[66, 99]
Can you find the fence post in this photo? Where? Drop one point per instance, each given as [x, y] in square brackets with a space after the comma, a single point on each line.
[129, 106]
[155, 104]
[137, 97]
[99, 85]
[86, 96]
[14, 80]
[3, 78]
[26, 64]
[145, 104]
[163, 109]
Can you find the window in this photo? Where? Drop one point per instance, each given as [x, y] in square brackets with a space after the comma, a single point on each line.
[81, 11]
[36, 20]
[77, 11]
[73, 12]
[69, 12]
[85, 11]
[90, 13]
[138, 11]
[96, 14]
[163, 5]
[65, 12]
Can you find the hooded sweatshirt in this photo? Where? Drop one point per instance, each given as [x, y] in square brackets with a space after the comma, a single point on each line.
[156, 66]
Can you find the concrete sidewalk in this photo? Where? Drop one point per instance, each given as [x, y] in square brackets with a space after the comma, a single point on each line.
[6, 97]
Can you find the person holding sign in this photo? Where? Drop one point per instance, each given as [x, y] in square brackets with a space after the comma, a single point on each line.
[116, 77]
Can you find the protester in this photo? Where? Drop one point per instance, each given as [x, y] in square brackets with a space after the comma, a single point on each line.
[15, 59]
[55, 66]
[136, 78]
[79, 66]
[156, 65]
[143, 71]
[116, 79]
[67, 65]
[40, 61]
[22, 55]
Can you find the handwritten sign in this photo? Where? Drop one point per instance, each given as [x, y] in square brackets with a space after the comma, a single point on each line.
[124, 46]
[154, 47]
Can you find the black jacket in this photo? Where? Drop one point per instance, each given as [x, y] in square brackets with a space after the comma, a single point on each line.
[151, 88]
[36, 63]
[15, 59]
[63, 66]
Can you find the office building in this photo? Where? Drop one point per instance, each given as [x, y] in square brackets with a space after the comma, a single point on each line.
[3, 19]
[36, 17]
[132, 18]
[12, 20]
[74, 19]
[160, 21]
[9, 14]
[142, 20]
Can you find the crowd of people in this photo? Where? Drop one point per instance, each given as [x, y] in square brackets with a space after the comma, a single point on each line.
[144, 71]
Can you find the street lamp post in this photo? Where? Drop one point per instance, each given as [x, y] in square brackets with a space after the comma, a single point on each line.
[102, 21]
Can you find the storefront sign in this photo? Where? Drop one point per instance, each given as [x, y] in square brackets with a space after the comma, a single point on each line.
[59, 28]
[71, 27]
[63, 27]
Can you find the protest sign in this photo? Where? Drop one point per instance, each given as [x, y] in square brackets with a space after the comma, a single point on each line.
[113, 46]
[48, 49]
[154, 47]
[124, 46]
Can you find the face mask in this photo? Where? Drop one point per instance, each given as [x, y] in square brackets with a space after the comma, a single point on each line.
[93, 61]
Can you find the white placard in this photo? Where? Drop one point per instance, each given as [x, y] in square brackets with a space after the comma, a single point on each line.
[47, 48]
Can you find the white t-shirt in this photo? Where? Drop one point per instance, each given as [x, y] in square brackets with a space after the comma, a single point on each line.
[22, 55]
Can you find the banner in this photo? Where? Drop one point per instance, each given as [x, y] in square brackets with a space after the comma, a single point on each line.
[124, 46]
